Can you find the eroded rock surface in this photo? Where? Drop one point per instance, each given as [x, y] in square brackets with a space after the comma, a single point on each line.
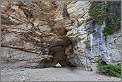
[31, 32]
[37, 33]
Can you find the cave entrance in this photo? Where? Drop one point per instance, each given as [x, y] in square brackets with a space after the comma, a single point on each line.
[61, 58]
[58, 56]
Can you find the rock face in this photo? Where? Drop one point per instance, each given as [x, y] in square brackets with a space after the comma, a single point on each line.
[32, 33]
[46, 32]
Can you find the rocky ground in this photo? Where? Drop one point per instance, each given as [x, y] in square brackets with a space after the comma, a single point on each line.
[52, 74]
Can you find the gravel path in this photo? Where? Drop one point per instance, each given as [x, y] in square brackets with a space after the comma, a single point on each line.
[52, 74]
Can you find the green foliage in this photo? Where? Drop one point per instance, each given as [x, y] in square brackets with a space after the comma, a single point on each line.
[111, 70]
[108, 31]
[84, 20]
[87, 43]
[104, 12]
[78, 39]
[114, 19]
[98, 13]
[90, 68]
[82, 51]
[98, 28]
[113, 24]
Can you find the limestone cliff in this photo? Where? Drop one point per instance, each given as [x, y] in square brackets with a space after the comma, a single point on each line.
[44, 33]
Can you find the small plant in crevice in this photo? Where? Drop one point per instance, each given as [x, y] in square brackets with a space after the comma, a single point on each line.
[90, 68]
[82, 51]
[110, 70]
[87, 43]
[78, 39]
[84, 20]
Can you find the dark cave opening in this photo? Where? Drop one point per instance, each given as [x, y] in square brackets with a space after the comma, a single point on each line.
[58, 55]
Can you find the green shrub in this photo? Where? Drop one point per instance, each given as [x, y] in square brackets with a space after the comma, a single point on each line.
[87, 43]
[105, 12]
[90, 68]
[98, 13]
[78, 39]
[111, 70]
[113, 24]
[107, 31]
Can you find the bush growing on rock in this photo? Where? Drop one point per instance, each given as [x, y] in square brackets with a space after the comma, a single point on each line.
[78, 39]
[90, 68]
[98, 13]
[108, 12]
[110, 70]
[87, 43]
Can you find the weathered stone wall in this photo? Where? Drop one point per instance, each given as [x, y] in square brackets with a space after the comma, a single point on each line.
[36, 31]
[31, 32]
[98, 48]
